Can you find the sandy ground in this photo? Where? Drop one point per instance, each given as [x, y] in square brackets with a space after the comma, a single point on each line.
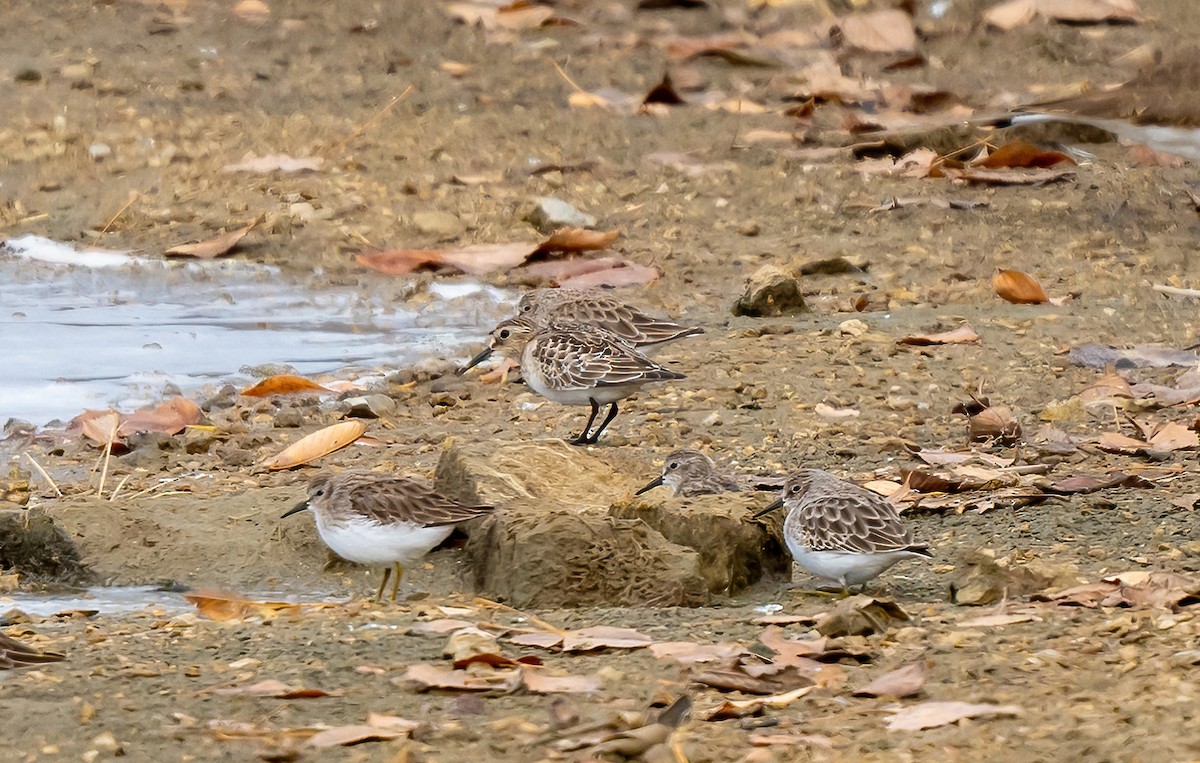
[175, 98]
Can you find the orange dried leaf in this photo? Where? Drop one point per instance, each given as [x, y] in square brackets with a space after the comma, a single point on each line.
[964, 334]
[213, 247]
[1021, 153]
[1019, 288]
[224, 606]
[319, 443]
[577, 240]
[169, 417]
[273, 688]
[902, 682]
[283, 384]
[100, 426]
[625, 275]
[344, 736]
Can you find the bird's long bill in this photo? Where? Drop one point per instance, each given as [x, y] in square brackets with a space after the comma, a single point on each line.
[487, 353]
[776, 504]
[295, 509]
[650, 485]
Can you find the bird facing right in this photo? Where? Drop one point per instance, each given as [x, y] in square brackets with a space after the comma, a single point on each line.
[689, 473]
[841, 532]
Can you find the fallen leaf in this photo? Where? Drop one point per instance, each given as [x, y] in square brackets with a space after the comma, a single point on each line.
[224, 606]
[1083, 483]
[835, 414]
[542, 640]
[275, 689]
[902, 682]
[928, 715]
[688, 652]
[275, 163]
[283, 384]
[885, 31]
[1011, 176]
[1018, 287]
[570, 240]
[433, 677]
[440, 627]
[100, 426]
[558, 270]
[315, 445]
[790, 740]
[344, 736]
[604, 637]
[1090, 11]
[1020, 153]
[992, 621]
[736, 679]
[538, 682]
[861, 616]
[1010, 15]
[213, 247]
[625, 275]
[252, 10]
[964, 334]
[740, 708]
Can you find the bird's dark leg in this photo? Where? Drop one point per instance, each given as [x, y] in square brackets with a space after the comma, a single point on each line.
[387, 572]
[582, 439]
[612, 414]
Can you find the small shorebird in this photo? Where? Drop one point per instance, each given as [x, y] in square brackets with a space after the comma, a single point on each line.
[839, 531]
[1159, 108]
[14, 654]
[690, 473]
[380, 519]
[594, 307]
[574, 364]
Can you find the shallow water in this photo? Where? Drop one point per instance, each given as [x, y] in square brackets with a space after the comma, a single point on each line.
[123, 599]
[74, 337]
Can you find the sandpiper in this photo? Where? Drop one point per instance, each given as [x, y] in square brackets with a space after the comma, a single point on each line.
[841, 532]
[575, 364]
[1160, 107]
[14, 654]
[690, 473]
[381, 519]
[594, 307]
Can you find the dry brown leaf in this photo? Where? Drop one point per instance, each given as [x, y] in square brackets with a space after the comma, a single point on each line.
[1083, 483]
[440, 627]
[572, 240]
[928, 715]
[1171, 436]
[561, 270]
[344, 736]
[433, 677]
[273, 688]
[885, 31]
[224, 606]
[964, 334]
[476, 259]
[1109, 389]
[522, 15]
[541, 640]
[1012, 176]
[616, 277]
[319, 443]
[992, 621]
[169, 417]
[1021, 153]
[743, 707]
[604, 637]
[902, 682]
[283, 384]
[689, 652]
[1090, 11]
[275, 163]
[538, 682]
[861, 616]
[100, 426]
[1010, 15]
[1018, 287]
[995, 422]
[213, 247]
[252, 10]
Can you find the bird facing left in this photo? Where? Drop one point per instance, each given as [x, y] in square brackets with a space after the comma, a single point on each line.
[380, 519]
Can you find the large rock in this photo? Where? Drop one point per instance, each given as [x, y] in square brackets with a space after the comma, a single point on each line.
[35, 546]
[568, 533]
[771, 291]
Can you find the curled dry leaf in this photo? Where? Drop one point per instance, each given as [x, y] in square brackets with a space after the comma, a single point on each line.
[283, 384]
[570, 240]
[224, 606]
[539, 682]
[169, 417]
[885, 31]
[273, 688]
[378, 728]
[861, 616]
[1035, 176]
[1019, 288]
[616, 277]
[928, 715]
[100, 426]
[689, 652]
[1020, 153]
[604, 637]
[964, 334]
[994, 423]
[902, 682]
[743, 707]
[434, 677]
[319, 443]
[1084, 483]
[214, 247]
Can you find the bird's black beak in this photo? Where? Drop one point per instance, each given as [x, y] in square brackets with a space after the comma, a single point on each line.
[295, 509]
[651, 485]
[487, 353]
[776, 504]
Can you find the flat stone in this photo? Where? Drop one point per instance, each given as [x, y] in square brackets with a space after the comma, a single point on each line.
[771, 291]
[549, 214]
[434, 222]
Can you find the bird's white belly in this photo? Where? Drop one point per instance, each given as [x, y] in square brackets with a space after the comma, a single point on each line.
[532, 373]
[376, 544]
[847, 569]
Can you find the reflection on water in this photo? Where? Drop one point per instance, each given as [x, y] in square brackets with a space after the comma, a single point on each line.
[73, 338]
[123, 599]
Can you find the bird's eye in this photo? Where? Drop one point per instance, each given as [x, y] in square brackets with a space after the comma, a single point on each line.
[673, 465]
[527, 308]
[795, 489]
[319, 492]
[505, 334]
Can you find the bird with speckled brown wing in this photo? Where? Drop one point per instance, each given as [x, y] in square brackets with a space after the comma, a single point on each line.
[597, 308]
[841, 532]
[575, 364]
[688, 473]
[14, 654]
[381, 519]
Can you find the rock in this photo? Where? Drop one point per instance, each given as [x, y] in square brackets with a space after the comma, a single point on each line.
[433, 222]
[99, 151]
[197, 441]
[549, 214]
[735, 550]
[32, 544]
[771, 291]
[14, 488]
[368, 406]
[567, 534]
[982, 579]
